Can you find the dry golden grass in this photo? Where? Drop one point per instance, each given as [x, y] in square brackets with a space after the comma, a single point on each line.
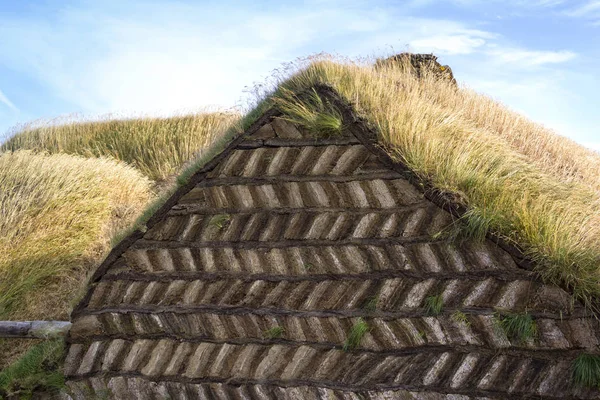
[158, 147]
[519, 179]
[57, 214]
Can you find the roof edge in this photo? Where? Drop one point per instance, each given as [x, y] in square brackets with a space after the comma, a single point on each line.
[137, 234]
[359, 128]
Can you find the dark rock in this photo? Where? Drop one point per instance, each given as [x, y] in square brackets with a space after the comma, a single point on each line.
[420, 63]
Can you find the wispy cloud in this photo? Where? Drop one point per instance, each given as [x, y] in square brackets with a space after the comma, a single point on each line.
[451, 44]
[589, 11]
[4, 100]
[512, 3]
[591, 8]
[96, 57]
[529, 58]
[195, 56]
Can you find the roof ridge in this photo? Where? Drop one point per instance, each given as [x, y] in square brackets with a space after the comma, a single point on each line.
[362, 131]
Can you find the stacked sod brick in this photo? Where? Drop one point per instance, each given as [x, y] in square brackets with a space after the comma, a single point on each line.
[306, 237]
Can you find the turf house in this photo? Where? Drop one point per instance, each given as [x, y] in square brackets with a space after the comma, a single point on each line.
[323, 252]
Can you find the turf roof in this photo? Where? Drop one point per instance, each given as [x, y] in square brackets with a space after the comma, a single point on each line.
[508, 176]
[320, 110]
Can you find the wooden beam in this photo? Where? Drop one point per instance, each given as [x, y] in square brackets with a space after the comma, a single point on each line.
[34, 329]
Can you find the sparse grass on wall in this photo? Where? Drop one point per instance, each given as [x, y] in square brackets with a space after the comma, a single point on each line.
[585, 371]
[356, 334]
[434, 305]
[460, 317]
[371, 303]
[274, 333]
[158, 147]
[519, 327]
[220, 220]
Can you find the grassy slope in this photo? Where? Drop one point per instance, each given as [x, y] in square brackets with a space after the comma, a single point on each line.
[59, 212]
[158, 147]
[532, 186]
[536, 188]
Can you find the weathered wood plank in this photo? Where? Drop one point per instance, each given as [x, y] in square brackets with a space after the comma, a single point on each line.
[34, 329]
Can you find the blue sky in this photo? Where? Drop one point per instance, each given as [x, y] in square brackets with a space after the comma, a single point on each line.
[540, 57]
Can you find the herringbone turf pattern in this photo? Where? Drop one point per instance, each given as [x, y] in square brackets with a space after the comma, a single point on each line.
[309, 236]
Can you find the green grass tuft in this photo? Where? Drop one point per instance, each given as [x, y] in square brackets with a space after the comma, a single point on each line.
[317, 116]
[434, 305]
[38, 369]
[357, 332]
[274, 333]
[371, 303]
[460, 317]
[585, 371]
[309, 266]
[520, 327]
[220, 220]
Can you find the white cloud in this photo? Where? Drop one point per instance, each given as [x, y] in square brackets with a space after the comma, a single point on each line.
[194, 56]
[590, 11]
[529, 58]
[591, 8]
[4, 100]
[449, 44]
[184, 57]
[512, 3]
[102, 63]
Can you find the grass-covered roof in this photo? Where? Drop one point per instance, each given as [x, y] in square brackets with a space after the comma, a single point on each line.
[518, 179]
[515, 178]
